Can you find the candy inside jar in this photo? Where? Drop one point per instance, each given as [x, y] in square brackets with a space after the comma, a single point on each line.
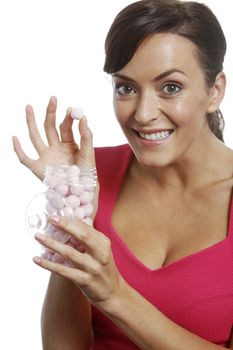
[70, 192]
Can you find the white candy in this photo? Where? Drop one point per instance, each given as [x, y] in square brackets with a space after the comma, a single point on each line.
[66, 211]
[79, 213]
[49, 195]
[57, 258]
[77, 113]
[73, 201]
[53, 182]
[50, 229]
[60, 235]
[58, 201]
[70, 194]
[51, 210]
[88, 208]
[86, 197]
[76, 189]
[62, 189]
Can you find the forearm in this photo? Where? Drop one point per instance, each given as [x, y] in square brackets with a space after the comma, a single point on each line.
[148, 327]
[66, 317]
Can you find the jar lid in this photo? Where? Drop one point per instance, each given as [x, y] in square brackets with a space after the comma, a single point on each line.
[39, 210]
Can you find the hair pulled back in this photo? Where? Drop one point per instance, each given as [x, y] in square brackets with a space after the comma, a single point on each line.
[190, 19]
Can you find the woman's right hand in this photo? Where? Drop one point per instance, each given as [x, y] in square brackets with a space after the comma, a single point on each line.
[61, 149]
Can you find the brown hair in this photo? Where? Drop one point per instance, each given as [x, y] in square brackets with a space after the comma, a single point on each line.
[192, 20]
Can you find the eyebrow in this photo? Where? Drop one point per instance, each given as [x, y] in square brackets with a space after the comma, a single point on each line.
[159, 77]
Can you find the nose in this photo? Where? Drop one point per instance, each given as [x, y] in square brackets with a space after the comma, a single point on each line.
[148, 108]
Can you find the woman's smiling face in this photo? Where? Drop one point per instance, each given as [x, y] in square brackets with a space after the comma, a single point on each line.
[161, 99]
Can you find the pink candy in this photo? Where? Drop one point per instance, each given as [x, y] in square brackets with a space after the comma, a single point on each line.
[70, 193]
[80, 213]
[57, 201]
[77, 189]
[62, 189]
[88, 208]
[86, 197]
[73, 201]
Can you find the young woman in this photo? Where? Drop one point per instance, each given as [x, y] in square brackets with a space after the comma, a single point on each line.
[156, 271]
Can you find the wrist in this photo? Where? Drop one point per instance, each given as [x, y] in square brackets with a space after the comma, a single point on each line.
[118, 301]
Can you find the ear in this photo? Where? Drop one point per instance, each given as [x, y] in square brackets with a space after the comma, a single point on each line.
[217, 92]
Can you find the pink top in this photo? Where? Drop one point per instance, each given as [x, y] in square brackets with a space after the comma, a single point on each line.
[196, 291]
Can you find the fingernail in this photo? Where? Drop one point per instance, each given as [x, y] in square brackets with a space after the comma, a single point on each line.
[53, 100]
[54, 219]
[40, 237]
[28, 108]
[36, 259]
[68, 111]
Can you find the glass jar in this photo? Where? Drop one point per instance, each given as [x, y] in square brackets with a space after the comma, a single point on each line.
[69, 192]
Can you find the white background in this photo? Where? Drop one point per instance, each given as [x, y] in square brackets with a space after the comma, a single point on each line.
[53, 47]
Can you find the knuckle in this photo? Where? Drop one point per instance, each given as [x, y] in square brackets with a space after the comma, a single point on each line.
[84, 236]
[22, 160]
[46, 124]
[66, 224]
[96, 269]
[105, 258]
[49, 241]
[76, 229]
[85, 280]
[106, 253]
[107, 243]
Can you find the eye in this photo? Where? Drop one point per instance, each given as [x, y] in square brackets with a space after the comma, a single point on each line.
[124, 89]
[171, 88]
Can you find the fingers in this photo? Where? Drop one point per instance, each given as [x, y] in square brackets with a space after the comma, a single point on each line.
[95, 243]
[74, 275]
[86, 142]
[34, 134]
[66, 128]
[23, 158]
[80, 260]
[50, 122]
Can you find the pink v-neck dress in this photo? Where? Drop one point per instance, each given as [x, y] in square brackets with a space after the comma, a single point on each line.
[196, 291]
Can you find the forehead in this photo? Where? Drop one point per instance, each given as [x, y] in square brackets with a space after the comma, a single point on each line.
[162, 52]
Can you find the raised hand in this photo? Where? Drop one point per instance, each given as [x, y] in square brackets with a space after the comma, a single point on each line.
[61, 149]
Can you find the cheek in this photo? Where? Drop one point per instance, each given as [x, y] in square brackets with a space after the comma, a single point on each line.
[186, 112]
[123, 110]
[182, 114]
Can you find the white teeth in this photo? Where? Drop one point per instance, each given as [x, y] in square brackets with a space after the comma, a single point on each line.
[155, 136]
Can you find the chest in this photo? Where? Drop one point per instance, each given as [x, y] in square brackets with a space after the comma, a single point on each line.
[162, 229]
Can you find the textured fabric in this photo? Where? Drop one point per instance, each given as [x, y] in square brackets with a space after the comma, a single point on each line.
[196, 291]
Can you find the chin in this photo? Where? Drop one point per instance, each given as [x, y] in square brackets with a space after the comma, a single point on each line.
[152, 160]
